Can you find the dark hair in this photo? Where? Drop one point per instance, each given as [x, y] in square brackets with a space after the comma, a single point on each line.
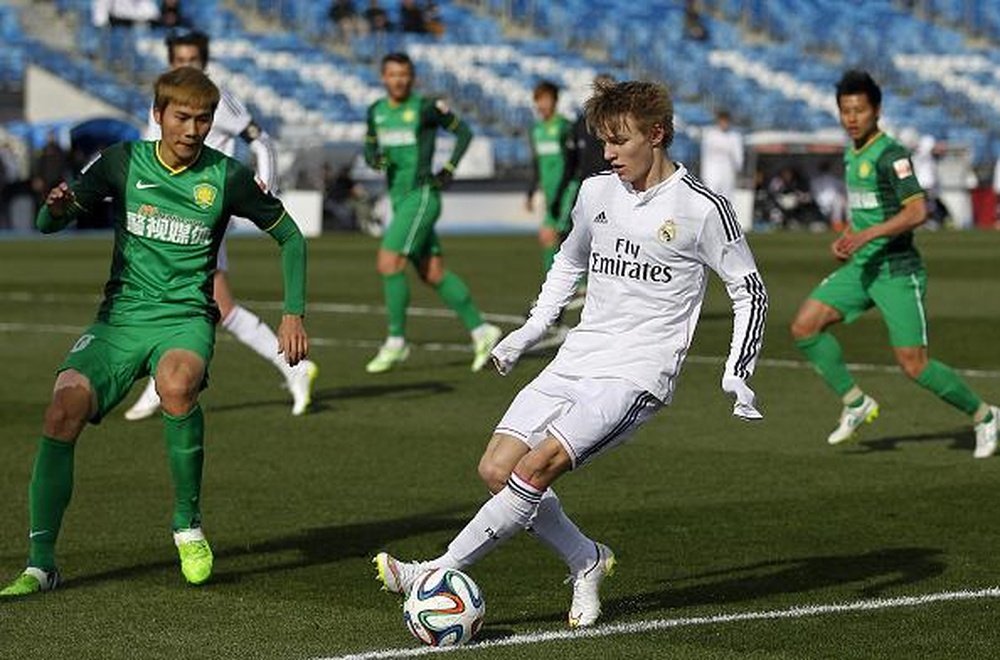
[546, 87]
[397, 58]
[186, 37]
[856, 81]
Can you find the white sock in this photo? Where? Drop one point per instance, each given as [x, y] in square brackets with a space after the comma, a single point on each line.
[394, 342]
[552, 526]
[251, 331]
[478, 331]
[502, 516]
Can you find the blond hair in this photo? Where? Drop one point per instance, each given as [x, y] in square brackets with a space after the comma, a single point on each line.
[185, 86]
[612, 104]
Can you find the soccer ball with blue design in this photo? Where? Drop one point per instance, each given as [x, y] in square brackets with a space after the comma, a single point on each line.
[445, 608]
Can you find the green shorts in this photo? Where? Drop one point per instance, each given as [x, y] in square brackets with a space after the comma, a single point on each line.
[113, 357]
[564, 222]
[411, 230]
[853, 290]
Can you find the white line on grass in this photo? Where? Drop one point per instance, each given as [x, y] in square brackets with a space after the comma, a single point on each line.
[465, 348]
[637, 627]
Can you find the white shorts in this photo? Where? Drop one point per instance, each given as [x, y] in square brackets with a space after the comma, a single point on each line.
[586, 415]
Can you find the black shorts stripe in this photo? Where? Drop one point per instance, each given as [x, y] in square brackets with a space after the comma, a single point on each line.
[729, 222]
[627, 420]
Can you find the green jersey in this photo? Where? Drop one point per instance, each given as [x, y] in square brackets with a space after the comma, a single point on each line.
[551, 142]
[880, 180]
[169, 224]
[401, 139]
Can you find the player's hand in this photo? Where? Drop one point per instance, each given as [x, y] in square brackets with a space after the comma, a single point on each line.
[745, 406]
[506, 354]
[293, 342]
[443, 178]
[59, 199]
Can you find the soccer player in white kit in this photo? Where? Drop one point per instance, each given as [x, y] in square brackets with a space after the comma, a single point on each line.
[645, 234]
[232, 120]
[721, 155]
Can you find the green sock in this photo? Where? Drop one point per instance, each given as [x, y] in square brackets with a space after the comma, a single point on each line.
[397, 299]
[943, 381]
[456, 295]
[185, 450]
[48, 496]
[823, 351]
[548, 256]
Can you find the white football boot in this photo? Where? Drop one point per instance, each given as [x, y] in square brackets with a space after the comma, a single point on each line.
[396, 576]
[986, 435]
[146, 405]
[300, 384]
[586, 605]
[852, 418]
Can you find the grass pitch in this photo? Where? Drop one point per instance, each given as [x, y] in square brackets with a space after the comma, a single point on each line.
[707, 515]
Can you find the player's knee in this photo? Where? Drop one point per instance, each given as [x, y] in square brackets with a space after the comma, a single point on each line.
[493, 473]
[913, 367]
[802, 328]
[177, 394]
[66, 415]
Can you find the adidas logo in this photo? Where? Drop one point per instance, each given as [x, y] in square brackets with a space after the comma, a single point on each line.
[601, 219]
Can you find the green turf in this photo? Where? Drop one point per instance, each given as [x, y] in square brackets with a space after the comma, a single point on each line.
[707, 515]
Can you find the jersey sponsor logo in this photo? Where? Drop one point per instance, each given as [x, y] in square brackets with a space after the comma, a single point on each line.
[148, 222]
[667, 231]
[548, 148]
[397, 138]
[82, 343]
[862, 199]
[204, 195]
[626, 263]
[145, 185]
[864, 169]
[902, 168]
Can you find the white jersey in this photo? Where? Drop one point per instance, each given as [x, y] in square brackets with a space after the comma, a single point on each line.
[646, 256]
[721, 159]
[232, 120]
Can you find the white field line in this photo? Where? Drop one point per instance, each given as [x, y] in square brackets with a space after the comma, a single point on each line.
[367, 344]
[377, 310]
[638, 627]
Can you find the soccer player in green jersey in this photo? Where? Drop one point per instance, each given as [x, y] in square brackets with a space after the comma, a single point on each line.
[173, 198]
[554, 157]
[402, 129]
[881, 268]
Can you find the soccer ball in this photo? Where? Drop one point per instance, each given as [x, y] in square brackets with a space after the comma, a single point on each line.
[444, 608]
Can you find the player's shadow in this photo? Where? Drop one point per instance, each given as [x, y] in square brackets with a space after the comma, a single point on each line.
[321, 399]
[870, 573]
[962, 439]
[309, 548]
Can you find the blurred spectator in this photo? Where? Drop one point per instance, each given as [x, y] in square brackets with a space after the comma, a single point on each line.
[377, 17]
[694, 25]
[347, 206]
[793, 206]
[8, 174]
[432, 18]
[721, 155]
[345, 17]
[51, 166]
[996, 189]
[171, 16]
[411, 17]
[924, 156]
[123, 12]
[830, 195]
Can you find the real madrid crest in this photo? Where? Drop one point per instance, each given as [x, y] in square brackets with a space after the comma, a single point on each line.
[204, 195]
[667, 231]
